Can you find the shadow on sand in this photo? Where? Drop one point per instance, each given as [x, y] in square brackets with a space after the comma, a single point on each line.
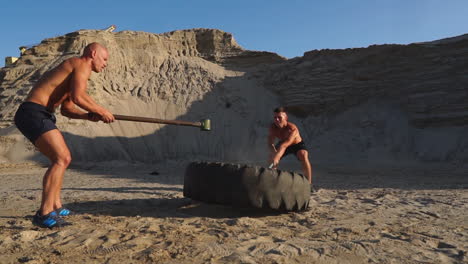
[166, 207]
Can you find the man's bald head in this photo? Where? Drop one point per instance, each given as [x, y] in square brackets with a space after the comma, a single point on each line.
[97, 55]
[90, 48]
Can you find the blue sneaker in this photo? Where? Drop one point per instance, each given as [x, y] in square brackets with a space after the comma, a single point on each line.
[49, 220]
[63, 212]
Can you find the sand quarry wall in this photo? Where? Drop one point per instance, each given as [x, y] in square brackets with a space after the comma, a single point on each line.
[387, 103]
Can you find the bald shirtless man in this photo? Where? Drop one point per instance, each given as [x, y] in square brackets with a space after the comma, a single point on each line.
[63, 86]
[290, 142]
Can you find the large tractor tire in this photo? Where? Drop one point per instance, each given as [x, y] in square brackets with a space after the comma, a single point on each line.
[246, 186]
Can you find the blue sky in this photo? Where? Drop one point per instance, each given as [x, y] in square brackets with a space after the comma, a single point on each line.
[288, 27]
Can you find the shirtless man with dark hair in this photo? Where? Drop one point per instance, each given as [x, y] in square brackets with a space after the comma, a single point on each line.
[63, 86]
[290, 142]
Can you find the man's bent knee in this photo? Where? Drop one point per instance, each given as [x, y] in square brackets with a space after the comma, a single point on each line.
[54, 147]
[302, 155]
[63, 159]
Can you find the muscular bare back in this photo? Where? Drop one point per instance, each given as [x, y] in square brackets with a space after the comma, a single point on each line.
[55, 86]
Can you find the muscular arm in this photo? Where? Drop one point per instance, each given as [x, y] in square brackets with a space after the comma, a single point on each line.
[78, 93]
[68, 109]
[271, 141]
[79, 96]
[285, 144]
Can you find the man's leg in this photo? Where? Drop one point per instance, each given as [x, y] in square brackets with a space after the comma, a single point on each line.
[52, 145]
[303, 156]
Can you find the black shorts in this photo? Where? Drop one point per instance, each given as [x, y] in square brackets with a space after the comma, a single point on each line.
[33, 120]
[293, 149]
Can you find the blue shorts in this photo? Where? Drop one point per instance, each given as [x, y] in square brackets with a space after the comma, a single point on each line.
[33, 120]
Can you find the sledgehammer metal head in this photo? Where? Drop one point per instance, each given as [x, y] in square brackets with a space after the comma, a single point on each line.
[205, 125]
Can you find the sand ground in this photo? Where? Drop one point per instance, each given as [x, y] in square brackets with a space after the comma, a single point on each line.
[128, 213]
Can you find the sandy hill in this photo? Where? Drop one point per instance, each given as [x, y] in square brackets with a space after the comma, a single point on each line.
[386, 103]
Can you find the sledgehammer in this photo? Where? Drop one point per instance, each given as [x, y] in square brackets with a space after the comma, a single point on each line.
[204, 125]
[272, 164]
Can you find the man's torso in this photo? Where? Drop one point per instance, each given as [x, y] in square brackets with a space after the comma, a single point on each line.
[285, 132]
[54, 87]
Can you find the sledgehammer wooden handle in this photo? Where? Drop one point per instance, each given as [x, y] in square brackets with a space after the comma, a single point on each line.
[203, 125]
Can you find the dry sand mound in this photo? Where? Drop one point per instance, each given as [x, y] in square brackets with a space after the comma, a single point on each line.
[188, 75]
[388, 103]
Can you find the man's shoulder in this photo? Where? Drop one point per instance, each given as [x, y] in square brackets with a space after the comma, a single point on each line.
[291, 125]
[76, 64]
[68, 64]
